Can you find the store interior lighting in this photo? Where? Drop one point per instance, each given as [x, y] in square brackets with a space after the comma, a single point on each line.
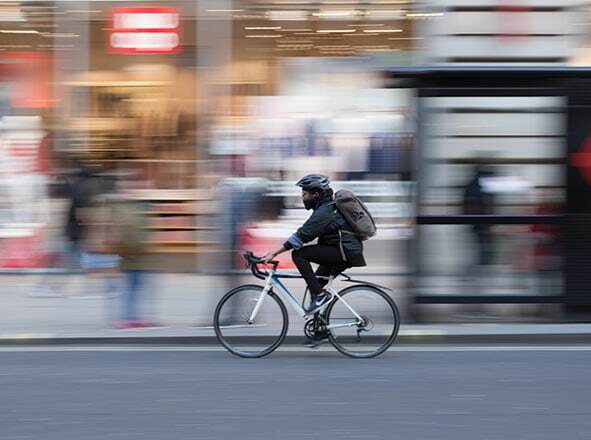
[335, 31]
[382, 31]
[262, 28]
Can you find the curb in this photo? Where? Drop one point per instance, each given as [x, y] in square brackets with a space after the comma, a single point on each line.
[405, 339]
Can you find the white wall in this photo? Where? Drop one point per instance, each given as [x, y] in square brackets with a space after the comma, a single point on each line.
[468, 32]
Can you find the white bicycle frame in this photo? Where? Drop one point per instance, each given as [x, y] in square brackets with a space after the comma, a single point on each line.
[273, 281]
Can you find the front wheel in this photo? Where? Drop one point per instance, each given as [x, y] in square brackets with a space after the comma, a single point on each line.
[249, 323]
[363, 321]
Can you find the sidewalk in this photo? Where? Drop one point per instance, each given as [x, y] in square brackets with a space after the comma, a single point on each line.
[183, 306]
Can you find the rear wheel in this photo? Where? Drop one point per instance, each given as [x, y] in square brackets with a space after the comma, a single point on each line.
[243, 337]
[369, 331]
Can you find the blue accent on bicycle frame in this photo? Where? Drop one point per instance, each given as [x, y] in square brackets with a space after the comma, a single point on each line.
[285, 289]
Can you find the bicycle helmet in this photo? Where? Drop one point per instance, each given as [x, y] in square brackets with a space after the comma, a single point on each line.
[313, 182]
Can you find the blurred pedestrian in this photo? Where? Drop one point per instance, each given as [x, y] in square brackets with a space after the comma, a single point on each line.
[478, 201]
[241, 200]
[129, 240]
[81, 187]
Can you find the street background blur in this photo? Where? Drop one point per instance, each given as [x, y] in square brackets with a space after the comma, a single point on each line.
[182, 126]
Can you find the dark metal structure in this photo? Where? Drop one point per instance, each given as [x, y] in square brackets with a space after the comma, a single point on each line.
[573, 84]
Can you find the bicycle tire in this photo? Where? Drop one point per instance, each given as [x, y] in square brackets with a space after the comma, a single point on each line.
[391, 337]
[218, 328]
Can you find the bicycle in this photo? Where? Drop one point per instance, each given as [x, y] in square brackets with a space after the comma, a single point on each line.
[251, 321]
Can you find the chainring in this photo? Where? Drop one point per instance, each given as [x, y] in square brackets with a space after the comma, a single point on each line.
[315, 328]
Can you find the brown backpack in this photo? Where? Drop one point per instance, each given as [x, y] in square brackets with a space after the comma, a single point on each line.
[356, 213]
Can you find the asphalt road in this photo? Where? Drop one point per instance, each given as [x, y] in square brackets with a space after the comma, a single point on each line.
[417, 393]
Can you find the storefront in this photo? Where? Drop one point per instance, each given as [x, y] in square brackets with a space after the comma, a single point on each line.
[189, 92]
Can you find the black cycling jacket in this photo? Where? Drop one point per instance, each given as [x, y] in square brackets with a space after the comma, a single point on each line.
[328, 225]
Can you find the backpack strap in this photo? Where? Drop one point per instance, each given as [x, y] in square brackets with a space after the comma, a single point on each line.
[341, 246]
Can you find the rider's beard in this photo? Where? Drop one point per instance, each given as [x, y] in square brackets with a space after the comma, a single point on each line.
[310, 204]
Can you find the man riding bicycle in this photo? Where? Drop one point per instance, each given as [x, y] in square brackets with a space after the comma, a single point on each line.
[338, 247]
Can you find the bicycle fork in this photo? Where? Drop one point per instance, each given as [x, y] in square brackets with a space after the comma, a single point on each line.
[257, 307]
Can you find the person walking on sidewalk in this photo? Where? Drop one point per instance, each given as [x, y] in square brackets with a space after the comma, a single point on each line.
[477, 200]
[335, 251]
[82, 188]
[129, 238]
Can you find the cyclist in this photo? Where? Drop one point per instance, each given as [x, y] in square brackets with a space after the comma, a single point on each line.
[338, 247]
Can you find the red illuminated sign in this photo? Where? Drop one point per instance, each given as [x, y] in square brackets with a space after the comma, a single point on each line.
[582, 160]
[145, 30]
[513, 20]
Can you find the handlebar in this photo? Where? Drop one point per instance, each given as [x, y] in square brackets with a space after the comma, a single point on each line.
[253, 262]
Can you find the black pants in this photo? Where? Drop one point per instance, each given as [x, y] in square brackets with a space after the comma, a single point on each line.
[328, 257]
